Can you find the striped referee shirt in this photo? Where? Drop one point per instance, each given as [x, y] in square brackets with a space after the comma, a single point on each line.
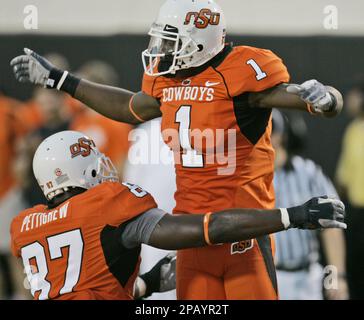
[295, 183]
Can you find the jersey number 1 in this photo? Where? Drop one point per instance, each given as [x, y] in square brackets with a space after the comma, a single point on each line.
[260, 74]
[190, 157]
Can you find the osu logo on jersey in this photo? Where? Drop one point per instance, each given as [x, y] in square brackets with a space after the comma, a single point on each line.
[83, 147]
[203, 18]
[241, 246]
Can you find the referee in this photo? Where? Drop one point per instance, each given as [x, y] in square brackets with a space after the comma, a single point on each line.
[300, 276]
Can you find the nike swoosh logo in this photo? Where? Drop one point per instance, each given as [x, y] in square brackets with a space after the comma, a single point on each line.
[211, 84]
[170, 28]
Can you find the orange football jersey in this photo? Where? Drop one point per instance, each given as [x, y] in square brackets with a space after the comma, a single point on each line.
[74, 251]
[222, 147]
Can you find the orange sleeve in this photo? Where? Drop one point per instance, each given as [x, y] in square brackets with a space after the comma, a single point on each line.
[148, 84]
[252, 70]
[124, 203]
[153, 86]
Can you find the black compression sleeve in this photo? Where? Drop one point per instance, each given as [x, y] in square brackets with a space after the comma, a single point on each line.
[69, 85]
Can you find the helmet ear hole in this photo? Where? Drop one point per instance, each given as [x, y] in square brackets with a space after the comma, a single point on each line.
[93, 173]
[200, 47]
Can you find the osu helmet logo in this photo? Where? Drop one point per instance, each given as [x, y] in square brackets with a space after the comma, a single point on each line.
[83, 147]
[203, 18]
[241, 246]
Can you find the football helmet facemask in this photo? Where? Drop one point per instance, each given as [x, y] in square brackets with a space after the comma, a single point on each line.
[186, 34]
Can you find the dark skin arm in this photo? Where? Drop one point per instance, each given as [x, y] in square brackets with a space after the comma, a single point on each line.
[175, 232]
[278, 97]
[113, 102]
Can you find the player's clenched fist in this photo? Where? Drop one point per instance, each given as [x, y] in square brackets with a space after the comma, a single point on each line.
[33, 68]
[317, 213]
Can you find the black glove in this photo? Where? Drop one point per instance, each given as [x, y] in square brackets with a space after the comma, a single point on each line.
[317, 213]
[162, 277]
[35, 69]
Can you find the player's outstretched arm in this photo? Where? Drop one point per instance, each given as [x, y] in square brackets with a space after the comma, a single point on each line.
[311, 96]
[175, 232]
[114, 103]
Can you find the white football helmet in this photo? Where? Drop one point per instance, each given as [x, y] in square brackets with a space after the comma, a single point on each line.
[70, 159]
[186, 34]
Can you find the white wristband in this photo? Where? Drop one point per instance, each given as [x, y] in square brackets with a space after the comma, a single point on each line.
[64, 76]
[285, 218]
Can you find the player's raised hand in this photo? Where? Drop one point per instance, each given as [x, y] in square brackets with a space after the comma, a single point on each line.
[33, 68]
[318, 213]
[320, 98]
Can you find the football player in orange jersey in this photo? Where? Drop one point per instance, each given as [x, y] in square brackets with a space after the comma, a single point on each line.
[85, 243]
[200, 86]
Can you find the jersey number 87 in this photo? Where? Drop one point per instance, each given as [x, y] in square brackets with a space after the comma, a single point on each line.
[35, 262]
